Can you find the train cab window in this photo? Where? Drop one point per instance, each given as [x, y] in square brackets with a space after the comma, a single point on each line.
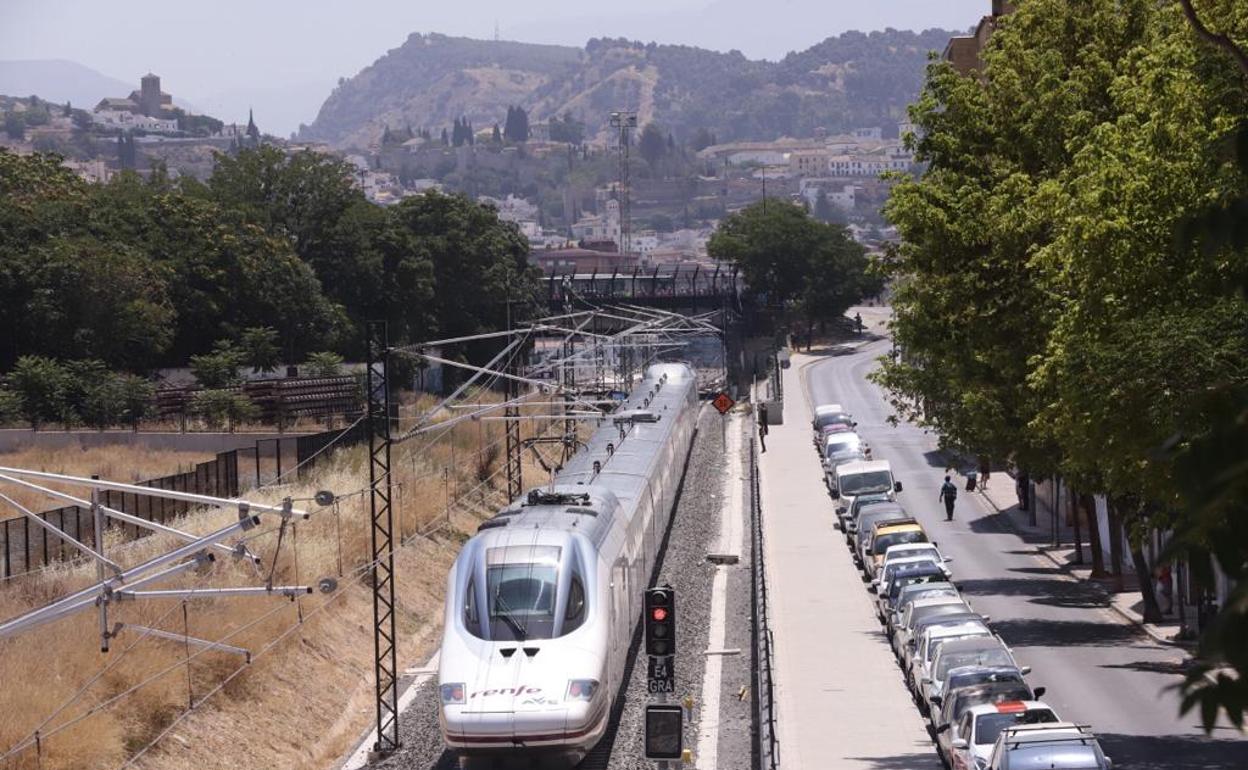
[522, 601]
[472, 618]
[575, 613]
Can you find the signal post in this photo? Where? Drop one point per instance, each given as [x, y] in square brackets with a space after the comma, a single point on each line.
[664, 721]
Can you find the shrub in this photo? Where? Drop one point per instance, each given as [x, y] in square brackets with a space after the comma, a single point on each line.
[260, 348]
[10, 406]
[323, 364]
[219, 368]
[41, 384]
[138, 396]
[218, 407]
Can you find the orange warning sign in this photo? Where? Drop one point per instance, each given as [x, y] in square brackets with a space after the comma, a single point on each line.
[723, 402]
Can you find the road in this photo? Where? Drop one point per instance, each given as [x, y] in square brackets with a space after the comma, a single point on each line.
[1098, 668]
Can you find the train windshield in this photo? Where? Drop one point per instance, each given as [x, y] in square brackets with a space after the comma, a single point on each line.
[522, 585]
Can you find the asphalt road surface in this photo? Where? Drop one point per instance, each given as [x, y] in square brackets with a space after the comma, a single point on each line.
[1098, 668]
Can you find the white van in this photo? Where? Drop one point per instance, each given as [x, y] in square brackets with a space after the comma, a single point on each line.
[857, 478]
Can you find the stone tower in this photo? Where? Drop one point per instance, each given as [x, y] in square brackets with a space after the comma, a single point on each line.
[149, 96]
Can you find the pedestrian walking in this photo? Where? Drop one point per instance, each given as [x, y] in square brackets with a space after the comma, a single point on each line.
[948, 495]
[972, 478]
[762, 426]
[858, 322]
[1164, 589]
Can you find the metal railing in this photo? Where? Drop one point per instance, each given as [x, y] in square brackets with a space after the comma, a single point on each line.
[766, 744]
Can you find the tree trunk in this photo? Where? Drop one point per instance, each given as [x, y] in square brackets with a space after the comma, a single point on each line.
[1115, 543]
[1152, 611]
[1088, 505]
[1074, 516]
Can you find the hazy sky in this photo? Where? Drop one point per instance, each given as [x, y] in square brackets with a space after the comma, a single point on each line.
[284, 56]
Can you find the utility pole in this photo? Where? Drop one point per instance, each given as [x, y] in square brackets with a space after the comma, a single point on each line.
[624, 121]
[385, 663]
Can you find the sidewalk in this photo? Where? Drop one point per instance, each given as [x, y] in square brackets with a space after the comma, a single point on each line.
[1002, 496]
[841, 702]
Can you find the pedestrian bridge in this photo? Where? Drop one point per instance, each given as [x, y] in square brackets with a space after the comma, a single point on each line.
[696, 287]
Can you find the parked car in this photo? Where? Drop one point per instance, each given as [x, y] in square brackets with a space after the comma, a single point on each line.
[1055, 746]
[959, 702]
[916, 592]
[868, 517]
[887, 535]
[923, 573]
[867, 514]
[927, 642]
[827, 414]
[922, 609]
[988, 653]
[968, 744]
[859, 502]
[853, 479]
[966, 676]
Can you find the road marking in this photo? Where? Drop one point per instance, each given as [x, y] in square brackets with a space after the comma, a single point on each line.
[730, 532]
[359, 758]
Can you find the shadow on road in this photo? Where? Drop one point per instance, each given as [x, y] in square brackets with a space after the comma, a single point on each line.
[1174, 752]
[910, 761]
[1033, 632]
[1153, 666]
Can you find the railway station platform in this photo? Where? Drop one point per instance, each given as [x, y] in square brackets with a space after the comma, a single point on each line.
[841, 701]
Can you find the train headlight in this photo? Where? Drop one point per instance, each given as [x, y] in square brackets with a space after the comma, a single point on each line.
[581, 689]
[452, 694]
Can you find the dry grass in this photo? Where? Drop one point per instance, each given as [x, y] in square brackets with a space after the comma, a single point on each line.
[117, 463]
[306, 697]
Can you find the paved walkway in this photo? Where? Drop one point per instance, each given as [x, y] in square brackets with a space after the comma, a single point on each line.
[842, 704]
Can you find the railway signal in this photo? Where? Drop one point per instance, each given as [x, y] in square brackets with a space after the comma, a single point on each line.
[664, 731]
[661, 621]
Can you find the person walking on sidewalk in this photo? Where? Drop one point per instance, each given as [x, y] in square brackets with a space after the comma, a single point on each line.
[762, 426]
[948, 494]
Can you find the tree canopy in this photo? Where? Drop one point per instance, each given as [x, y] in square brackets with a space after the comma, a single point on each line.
[1051, 303]
[279, 251]
[803, 269]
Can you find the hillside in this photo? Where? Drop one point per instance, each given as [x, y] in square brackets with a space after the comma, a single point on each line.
[854, 79]
[59, 81]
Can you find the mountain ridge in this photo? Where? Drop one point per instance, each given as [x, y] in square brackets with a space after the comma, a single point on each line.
[850, 80]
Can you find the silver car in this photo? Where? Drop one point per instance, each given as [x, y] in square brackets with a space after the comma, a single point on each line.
[930, 590]
[985, 652]
[921, 609]
[1055, 746]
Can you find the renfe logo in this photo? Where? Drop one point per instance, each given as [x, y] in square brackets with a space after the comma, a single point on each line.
[519, 690]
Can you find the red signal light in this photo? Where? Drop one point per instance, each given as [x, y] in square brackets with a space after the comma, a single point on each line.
[659, 614]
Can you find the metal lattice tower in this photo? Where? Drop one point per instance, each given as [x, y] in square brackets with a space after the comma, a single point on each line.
[515, 448]
[625, 121]
[385, 663]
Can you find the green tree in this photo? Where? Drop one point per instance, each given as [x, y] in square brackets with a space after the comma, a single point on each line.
[138, 399]
[804, 270]
[322, 364]
[15, 125]
[10, 406]
[260, 348]
[219, 408]
[218, 369]
[652, 145]
[479, 264]
[41, 384]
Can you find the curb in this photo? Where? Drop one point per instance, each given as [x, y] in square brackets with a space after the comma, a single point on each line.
[1131, 618]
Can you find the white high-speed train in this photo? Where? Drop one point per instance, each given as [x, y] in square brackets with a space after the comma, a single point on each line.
[542, 602]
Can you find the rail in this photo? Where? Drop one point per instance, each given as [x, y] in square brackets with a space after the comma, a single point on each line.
[766, 745]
